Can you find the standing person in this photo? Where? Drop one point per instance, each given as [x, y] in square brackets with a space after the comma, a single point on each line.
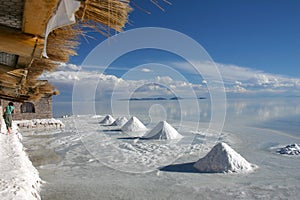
[8, 111]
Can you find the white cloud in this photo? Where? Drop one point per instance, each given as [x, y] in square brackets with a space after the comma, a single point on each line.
[146, 70]
[164, 79]
[242, 79]
[68, 67]
[109, 85]
[237, 80]
[236, 89]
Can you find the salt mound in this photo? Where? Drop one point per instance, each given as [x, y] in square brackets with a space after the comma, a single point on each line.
[120, 121]
[39, 123]
[96, 116]
[133, 124]
[107, 120]
[163, 131]
[292, 149]
[222, 158]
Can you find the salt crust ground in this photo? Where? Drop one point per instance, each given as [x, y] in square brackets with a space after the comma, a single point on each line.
[19, 179]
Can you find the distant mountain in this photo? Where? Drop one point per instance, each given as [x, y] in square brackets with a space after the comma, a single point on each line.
[159, 98]
[175, 98]
[154, 99]
[148, 99]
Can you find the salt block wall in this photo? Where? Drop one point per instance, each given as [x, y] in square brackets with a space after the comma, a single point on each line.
[1, 113]
[43, 109]
[11, 13]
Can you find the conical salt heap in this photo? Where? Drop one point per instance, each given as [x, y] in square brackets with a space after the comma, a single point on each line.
[107, 120]
[163, 131]
[292, 149]
[133, 124]
[120, 121]
[222, 158]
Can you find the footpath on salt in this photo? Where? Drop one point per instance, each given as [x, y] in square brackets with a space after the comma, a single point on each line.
[163, 131]
[223, 159]
[19, 179]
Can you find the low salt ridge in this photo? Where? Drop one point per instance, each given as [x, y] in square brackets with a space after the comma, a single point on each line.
[291, 149]
[107, 120]
[120, 121]
[19, 179]
[163, 131]
[96, 116]
[37, 123]
[133, 124]
[223, 159]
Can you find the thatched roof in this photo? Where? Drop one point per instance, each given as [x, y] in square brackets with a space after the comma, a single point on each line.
[22, 38]
[23, 31]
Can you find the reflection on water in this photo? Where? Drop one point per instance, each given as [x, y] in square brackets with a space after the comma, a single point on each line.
[263, 108]
[150, 111]
[282, 114]
[243, 111]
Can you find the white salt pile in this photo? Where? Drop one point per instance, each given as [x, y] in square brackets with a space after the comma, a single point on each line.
[66, 116]
[163, 131]
[120, 121]
[222, 158]
[292, 149]
[107, 120]
[133, 124]
[39, 123]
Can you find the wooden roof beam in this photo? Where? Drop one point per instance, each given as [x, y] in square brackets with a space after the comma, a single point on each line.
[9, 98]
[36, 15]
[15, 42]
[10, 79]
[11, 70]
[8, 85]
[5, 68]
[8, 91]
[13, 98]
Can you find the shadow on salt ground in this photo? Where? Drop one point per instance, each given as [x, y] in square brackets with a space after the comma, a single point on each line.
[134, 138]
[183, 168]
[106, 125]
[110, 130]
[128, 138]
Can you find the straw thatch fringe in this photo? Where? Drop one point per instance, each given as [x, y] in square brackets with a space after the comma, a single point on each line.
[157, 3]
[38, 89]
[12, 88]
[99, 15]
[103, 15]
[62, 43]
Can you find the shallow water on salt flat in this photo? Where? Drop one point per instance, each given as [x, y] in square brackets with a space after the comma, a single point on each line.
[89, 161]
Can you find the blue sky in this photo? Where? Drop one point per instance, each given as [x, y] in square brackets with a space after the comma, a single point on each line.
[254, 43]
[257, 34]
